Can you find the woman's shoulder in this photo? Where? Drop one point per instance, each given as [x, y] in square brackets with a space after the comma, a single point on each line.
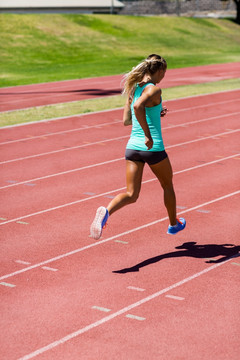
[144, 84]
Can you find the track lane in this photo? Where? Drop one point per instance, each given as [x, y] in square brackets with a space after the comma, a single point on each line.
[69, 292]
[83, 182]
[75, 219]
[20, 151]
[69, 140]
[124, 301]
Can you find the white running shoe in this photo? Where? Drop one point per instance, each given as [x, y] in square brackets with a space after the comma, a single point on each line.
[99, 222]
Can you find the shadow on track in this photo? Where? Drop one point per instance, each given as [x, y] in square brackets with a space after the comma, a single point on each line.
[190, 249]
[101, 92]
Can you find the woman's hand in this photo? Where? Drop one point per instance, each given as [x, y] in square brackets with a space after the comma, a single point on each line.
[164, 111]
[148, 142]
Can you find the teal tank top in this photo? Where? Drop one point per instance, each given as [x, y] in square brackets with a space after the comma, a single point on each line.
[153, 117]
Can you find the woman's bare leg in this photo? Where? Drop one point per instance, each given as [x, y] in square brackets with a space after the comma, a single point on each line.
[134, 171]
[163, 171]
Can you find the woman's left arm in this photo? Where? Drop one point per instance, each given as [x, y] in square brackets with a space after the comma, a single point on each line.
[127, 115]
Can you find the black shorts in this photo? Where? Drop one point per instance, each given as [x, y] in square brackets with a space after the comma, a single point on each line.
[150, 157]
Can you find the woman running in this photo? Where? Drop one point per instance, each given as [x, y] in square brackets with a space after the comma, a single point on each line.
[143, 110]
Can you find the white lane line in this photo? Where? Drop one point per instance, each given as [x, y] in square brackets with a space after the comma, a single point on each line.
[175, 297]
[135, 288]
[7, 284]
[121, 242]
[134, 317]
[200, 121]
[200, 106]
[115, 236]
[204, 138]
[119, 312]
[101, 308]
[67, 149]
[108, 140]
[81, 168]
[60, 132]
[86, 127]
[49, 268]
[62, 173]
[40, 122]
[22, 262]
[111, 191]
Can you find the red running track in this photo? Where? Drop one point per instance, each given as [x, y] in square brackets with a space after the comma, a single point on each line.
[138, 293]
[21, 97]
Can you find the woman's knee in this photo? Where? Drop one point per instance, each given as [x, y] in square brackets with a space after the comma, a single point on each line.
[132, 196]
[167, 183]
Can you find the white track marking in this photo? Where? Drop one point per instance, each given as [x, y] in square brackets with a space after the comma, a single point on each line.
[63, 173]
[203, 138]
[175, 297]
[49, 268]
[108, 140]
[119, 312]
[87, 127]
[67, 149]
[7, 284]
[39, 122]
[135, 317]
[68, 171]
[112, 191]
[101, 308]
[98, 164]
[135, 288]
[22, 262]
[59, 257]
[117, 121]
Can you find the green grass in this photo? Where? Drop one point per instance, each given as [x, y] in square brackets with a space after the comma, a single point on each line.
[42, 48]
[85, 106]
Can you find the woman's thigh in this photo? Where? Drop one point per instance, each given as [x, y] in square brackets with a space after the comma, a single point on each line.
[134, 172]
[163, 171]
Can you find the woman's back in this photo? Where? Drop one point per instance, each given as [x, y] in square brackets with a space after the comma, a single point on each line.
[153, 117]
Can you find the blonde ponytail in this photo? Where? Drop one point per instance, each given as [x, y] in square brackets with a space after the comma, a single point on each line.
[134, 76]
[149, 66]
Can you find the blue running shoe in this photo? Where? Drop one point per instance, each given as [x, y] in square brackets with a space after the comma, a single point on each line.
[181, 223]
[99, 222]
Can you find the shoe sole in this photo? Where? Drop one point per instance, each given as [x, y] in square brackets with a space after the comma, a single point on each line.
[96, 227]
[169, 233]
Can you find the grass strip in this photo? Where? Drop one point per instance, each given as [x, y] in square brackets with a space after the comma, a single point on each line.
[47, 47]
[111, 102]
